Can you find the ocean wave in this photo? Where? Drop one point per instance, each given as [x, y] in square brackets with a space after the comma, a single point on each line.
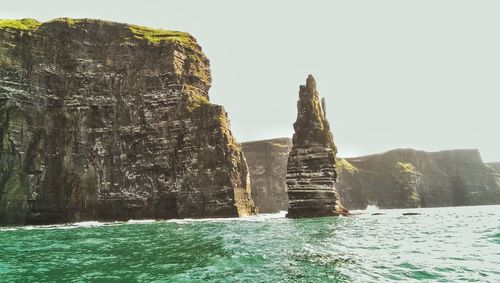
[445, 244]
[92, 224]
[7, 229]
[252, 218]
[141, 221]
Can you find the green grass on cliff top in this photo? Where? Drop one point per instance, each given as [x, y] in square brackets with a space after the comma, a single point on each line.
[139, 32]
[22, 24]
[157, 35]
[406, 167]
[345, 165]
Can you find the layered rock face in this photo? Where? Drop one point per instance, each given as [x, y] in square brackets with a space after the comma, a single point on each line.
[311, 173]
[267, 166]
[108, 121]
[412, 178]
[495, 165]
[401, 178]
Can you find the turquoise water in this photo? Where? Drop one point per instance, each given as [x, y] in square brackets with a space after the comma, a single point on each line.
[440, 244]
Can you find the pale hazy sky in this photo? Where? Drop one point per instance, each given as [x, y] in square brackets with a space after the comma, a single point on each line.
[421, 74]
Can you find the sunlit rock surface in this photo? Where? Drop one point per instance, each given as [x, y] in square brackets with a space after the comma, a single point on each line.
[108, 121]
[311, 173]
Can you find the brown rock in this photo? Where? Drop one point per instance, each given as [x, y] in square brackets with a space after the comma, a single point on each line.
[266, 161]
[405, 178]
[109, 121]
[311, 172]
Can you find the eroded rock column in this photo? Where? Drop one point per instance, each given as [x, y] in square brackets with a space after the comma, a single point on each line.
[311, 171]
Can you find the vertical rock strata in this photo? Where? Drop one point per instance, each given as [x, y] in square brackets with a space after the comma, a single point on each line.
[267, 165]
[403, 178]
[495, 166]
[311, 171]
[108, 121]
[399, 178]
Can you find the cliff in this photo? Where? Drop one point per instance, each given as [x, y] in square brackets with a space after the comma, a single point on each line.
[413, 178]
[109, 121]
[495, 166]
[267, 166]
[401, 178]
[311, 173]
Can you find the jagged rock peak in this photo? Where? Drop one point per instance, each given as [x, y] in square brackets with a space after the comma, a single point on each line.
[311, 126]
[311, 171]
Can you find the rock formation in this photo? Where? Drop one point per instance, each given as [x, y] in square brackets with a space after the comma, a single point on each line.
[267, 166]
[395, 186]
[401, 178]
[413, 178]
[311, 173]
[108, 121]
[495, 166]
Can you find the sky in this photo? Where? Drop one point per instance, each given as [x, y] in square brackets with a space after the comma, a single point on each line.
[395, 74]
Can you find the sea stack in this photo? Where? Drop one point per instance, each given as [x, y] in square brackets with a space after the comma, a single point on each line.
[311, 170]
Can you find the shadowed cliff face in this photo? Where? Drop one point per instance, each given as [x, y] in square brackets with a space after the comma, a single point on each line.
[267, 165]
[428, 179]
[107, 121]
[400, 178]
[495, 166]
[311, 173]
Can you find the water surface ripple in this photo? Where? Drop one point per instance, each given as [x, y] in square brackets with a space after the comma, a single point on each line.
[437, 245]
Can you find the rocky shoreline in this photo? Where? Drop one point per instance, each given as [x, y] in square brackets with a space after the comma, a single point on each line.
[401, 178]
[108, 121]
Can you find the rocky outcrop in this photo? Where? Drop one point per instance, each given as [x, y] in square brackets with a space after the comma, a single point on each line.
[412, 178]
[311, 173]
[267, 166]
[495, 166]
[108, 121]
[394, 186]
[401, 178]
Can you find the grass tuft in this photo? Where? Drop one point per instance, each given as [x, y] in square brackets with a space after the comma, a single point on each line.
[406, 168]
[22, 24]
[158, 35]
[343, 164]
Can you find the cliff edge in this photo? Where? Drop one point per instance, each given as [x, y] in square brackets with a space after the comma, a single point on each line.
[495, 166]
[109, 121]
[400, 178]
[403, 178]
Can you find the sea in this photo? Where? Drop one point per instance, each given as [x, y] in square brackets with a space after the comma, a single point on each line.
[452, 244]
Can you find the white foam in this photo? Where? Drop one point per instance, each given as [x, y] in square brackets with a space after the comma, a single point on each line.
[371, 208]
[258, 217]
[141, 221]
[7, 229]
[87, 224]
[65, 226]
[266, 216]
[192, 220]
